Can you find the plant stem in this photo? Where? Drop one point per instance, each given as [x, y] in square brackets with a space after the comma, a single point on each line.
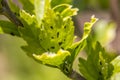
[115, 15]
[76, 76]
[5, 10]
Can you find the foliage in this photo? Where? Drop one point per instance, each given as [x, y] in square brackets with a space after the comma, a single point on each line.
[48, 30]
[98, 63]
[116, 71]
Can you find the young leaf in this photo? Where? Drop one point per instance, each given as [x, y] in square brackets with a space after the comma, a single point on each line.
[56, 2]
[68, 12]
[28, 5]
[75, 48]
[78, 46]
[55, 59]
[9, 28]
[53, 35]
[65, 10]
[40, 8]
[61, 7]
[88, 68]
[97, 66]
[56, 32]
[13, 7]
[116, 71]
[30, 33]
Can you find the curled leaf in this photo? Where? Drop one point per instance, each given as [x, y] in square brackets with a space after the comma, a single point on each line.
[78, 46]
[116, 71]
[54, 59]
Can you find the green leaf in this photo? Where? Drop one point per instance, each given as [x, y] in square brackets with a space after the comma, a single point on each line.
[66, 10]
[56, 32]
[69, 12]
[78, 46]
[97, 66]
[61, 7]
[55, 59]
[56, 2]
[88, 26]
[80, 4]
[30, 33]
[105, 66]
[15, 8]
[86, 73]
[53, 34]
[39, 9]
[8, 27]
[28, 5]
[88, 68]
[116, 71]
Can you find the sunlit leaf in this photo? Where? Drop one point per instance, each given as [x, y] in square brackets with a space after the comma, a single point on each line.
[78, 46]
[56, 2]
[30, 33]
[116, 71]
[55, 59]
[66, 10]
[39, 8]
[53, 34]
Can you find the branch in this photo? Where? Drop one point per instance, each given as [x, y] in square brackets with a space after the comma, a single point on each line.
[5, 10]
[76, 76]
[115, 11]
[114, 4]
[78, 30]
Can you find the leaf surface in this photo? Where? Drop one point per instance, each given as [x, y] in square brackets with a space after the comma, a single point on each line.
[78, 46]
[30, 33]
[8, 27]
[97, 66]
[55, 59]
[28, 5]
[116, 71]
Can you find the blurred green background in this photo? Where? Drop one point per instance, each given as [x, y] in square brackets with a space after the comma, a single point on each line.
[16, 65]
